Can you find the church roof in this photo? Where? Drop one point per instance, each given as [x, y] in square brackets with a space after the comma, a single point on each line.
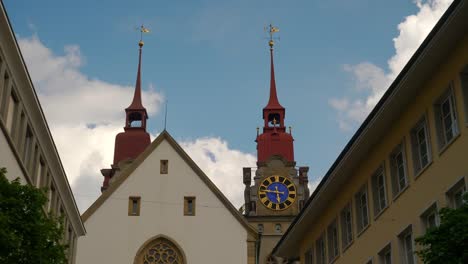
[141, 158]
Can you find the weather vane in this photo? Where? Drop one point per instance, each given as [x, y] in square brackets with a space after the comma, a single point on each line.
[142, 30]
[271, 31]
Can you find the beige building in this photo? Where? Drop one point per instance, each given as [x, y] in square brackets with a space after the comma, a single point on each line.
[27, 149]
[406, 161]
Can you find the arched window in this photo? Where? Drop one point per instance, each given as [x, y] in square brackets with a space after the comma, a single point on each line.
[160, 251]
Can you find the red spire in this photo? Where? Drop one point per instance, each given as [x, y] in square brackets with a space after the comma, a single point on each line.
[273, 102]
[136, 103]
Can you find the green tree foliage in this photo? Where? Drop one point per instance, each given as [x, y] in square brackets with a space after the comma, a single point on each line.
[447, 243]
[27, 233]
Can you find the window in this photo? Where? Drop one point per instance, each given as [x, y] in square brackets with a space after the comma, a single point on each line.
[27, 147]
[455, 194]
[446, 118]
[385, 255]
[52, 198]
[406, 246]
[464, 85]
[379, 192]
[430, 217]
[3, 91]
[398, 170]
[164, 166]
[11, 112]
[278, 228]
[332, 238]
[189, 205]
[40, 170]
[309, 256]
[420, 145]
[260, 228]
[320, 250]
[134, 204]
[346, 226]
[362, 211]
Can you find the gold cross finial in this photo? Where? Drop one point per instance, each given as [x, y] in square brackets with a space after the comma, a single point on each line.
[271, 30]
[142, 30]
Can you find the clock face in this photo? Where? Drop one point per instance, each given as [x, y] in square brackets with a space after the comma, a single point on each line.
[277, 192]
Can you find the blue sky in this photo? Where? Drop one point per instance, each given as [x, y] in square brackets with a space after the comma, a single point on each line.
[209, 59]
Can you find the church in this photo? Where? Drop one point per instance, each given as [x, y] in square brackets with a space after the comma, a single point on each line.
[158, 206]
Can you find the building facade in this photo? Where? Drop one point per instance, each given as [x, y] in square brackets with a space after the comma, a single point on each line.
[279, 188]
[405, 162]
[27, 149]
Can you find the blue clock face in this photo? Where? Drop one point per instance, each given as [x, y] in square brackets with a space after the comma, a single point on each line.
[277, 192]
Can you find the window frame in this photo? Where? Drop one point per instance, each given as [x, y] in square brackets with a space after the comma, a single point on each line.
[131, 202]
[383, 253]
[363, 190]
[344, 226]
[320, 250]
[376, 188]
[397, 190]
[333, 244]
[430, 210]
[187, 201]
[442, 140]
[418, 166]
[164, 166]
[464, 87]
[402, 240]
[459, 185]
[309, 256]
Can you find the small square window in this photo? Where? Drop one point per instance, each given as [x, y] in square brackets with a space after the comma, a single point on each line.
[446, 118]
[260, 228]
[189, 205]
[164, 166]
[398, 169]
[420, 145]
[278, 228]
[134, 204]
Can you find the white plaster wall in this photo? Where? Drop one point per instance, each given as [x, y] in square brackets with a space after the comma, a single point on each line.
[212, 236]
[8, 160]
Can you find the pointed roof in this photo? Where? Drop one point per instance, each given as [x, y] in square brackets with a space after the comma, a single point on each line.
[136, 103]
[273, 102]
[141, 158]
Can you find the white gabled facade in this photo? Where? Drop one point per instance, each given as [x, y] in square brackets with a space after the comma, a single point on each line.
[215, 234]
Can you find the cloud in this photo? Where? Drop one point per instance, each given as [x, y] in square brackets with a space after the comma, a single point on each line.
[371, 81]
[84, 125]
[222, 164]
[82, 121]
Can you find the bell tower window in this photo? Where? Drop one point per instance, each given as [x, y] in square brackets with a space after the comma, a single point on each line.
[274, 120]
[135, 120]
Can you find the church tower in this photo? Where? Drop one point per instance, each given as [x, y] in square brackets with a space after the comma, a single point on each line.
[133, 141]
[279, 188]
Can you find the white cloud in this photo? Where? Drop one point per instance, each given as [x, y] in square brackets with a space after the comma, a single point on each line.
[373, 80]
[222, 164]
[84, 123]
